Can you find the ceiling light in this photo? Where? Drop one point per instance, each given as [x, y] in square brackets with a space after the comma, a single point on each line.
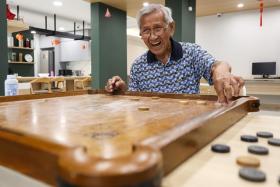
[33, 32]
[145, 4]
[57, 3]
[61, 28]
[240, 5]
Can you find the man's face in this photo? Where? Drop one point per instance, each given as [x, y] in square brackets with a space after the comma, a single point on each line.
[156, 33]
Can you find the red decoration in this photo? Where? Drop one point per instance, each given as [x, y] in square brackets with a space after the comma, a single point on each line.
[261, 12]
[9, 14]
[56, 42]
[108, 14]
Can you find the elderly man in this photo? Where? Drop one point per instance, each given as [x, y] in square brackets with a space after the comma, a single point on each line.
[172, 67]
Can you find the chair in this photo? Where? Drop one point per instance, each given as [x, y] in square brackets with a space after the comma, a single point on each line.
[58, 84]
[40, 85]
[82, 84]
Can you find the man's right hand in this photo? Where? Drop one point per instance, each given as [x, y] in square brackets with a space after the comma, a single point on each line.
[115, 83]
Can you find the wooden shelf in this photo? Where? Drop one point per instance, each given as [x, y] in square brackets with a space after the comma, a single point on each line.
[26, 48]
[16, 26]
[21, 62]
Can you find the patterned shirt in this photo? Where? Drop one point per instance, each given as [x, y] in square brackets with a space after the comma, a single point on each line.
[181, 74]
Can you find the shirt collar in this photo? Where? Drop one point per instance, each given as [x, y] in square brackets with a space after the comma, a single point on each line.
[176, 52]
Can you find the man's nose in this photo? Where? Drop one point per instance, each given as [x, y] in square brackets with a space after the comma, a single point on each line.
[153, 35]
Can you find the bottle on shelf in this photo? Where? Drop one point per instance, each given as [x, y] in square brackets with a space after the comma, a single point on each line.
[20, 59]
[10, 41]
[20, 43]
[9, 56]
[27, 43]
[11, 85]
[14, 57]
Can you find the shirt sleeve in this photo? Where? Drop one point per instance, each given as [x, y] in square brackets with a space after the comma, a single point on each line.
[133, 82]
[203, 62]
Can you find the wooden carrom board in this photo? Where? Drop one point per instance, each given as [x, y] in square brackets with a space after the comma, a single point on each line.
[90, 138]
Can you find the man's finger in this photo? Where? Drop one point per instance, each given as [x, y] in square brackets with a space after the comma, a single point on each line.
[228, 91]
[221, 97]
[240, 81]
[235, 86]
[115, 79]
[219, 87]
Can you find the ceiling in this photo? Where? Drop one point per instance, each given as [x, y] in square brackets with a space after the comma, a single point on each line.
[204, 7]
[71, 9]
[33, 12]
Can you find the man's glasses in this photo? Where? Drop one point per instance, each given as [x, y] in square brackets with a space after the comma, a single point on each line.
[157, 31]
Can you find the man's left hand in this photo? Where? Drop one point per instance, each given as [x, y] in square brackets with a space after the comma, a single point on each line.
[226, 84]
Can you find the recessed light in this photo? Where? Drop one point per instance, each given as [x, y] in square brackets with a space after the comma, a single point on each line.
[57, 3]
[61, 28]
[240, 5]
[33, 32]
[145, 4]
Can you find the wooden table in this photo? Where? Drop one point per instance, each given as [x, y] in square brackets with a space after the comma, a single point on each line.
[94, 139]
[263, 87]
[211, 169]
[68, 79]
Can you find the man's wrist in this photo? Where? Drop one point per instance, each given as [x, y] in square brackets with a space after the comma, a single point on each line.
[220, 70]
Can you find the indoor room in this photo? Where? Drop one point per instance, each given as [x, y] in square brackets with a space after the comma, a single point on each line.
[137, 93]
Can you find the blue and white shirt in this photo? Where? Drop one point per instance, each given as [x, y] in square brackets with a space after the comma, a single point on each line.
[181, 74]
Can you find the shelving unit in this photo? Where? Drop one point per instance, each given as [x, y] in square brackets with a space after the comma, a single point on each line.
[19, 65]
[25, 48]
[15, 26]
[14, 62]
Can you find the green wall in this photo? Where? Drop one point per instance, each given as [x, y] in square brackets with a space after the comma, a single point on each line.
[184, 19]
[109, 44]
[3, 47]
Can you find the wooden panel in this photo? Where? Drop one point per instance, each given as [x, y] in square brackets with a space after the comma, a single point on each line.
[263, 87]
[69, 81]
[104, 140]
[28, 79]
[15, 26]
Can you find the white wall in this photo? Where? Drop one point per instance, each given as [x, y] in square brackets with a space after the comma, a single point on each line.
[84, 66]
[238, 39]
[74, 50]
[135, 48]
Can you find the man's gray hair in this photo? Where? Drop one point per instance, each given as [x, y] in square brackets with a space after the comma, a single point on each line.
[152, 8]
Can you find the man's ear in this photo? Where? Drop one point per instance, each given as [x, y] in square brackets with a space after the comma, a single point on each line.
[172, 28]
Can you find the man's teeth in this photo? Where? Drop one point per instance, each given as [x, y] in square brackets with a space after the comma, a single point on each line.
[156, 44]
